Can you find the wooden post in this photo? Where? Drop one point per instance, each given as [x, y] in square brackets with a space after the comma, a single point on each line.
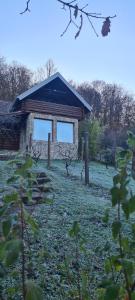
[82, 148]
[86, 157]
[49, 150]
[133, 164]
[30, 143]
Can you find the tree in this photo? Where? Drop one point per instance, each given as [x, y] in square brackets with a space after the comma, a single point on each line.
[14, 79]
[19, 79]
[117, 106]
[77, 12]
[94, 132]
[45, 71]
[3, 79]
[92, 96]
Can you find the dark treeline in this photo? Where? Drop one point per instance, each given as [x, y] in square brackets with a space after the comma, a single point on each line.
[113, 108]
[112, 116]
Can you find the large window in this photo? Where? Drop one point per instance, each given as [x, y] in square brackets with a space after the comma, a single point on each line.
[41, 129]
[65, 132]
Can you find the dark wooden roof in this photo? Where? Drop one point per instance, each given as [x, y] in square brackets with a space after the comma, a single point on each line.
[54, 89]
[5, 106]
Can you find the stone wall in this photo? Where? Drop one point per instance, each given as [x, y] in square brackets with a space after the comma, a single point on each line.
[58, 149]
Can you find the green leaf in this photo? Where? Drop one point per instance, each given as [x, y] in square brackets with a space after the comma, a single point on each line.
[12, 291]
[106, 216]
[31, 221]
[133, 296]
[118, 195]
[6, 226]
[2, 270]
[12, 248]
[131, 140]
[112, 292]
[125, 207]
[74, 230]
[3, 210]
[2, 250]
[116, 179]
[13, 197]
[24, 168]
[128, 265]
[115, 192]
[125, 243]
[105, 283]
[12, 179]
[132, 204]
[116, 225]
[101, 293]
[116, 262]
[33, 291]
[107, 266]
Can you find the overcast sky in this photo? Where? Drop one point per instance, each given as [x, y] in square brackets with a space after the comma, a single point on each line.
[34, 37]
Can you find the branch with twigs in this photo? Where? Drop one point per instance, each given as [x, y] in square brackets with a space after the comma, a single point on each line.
[36, 153]
[76, 12]
[68, 155]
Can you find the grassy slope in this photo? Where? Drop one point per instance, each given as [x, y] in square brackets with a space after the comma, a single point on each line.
[73, 201]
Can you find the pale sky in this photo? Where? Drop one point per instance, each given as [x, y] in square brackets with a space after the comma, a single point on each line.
[33, 38]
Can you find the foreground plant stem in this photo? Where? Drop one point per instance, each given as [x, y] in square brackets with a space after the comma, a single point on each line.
[122, 255]
[23, 252]
[78, 271]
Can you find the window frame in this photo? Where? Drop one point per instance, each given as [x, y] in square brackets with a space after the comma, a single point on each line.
[43, 140]
[73, 132]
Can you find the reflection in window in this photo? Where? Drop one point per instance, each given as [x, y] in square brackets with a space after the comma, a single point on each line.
[65, 132]
[41, 129]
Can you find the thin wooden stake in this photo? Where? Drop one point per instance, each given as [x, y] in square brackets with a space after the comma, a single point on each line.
[82, 148]
[49, 150]
[133, 165]
[86, 157]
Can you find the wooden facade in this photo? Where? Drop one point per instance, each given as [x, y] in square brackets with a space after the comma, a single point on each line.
[52, 108]
[9, 140]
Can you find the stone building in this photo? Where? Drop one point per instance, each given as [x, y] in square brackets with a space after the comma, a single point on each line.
[52, 106]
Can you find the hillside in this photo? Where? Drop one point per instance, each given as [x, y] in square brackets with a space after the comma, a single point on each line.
[72, 201]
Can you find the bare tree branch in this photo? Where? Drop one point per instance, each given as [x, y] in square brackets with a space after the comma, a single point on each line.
[90, 14]
[70, 21]
[92, 26]
[27, 8]
[75, 11]
[73, 7]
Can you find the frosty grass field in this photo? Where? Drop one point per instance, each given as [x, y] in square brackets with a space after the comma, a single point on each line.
[73, 201]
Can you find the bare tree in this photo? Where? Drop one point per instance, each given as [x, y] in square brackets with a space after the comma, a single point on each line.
[45, 71]
[50, 67]
[92, 96]
[68, 155]
[76, 13]
[3, 79]
[19, 79]
[14, 79]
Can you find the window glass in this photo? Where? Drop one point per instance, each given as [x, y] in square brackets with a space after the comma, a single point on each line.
[65, 132]
[41, 129]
